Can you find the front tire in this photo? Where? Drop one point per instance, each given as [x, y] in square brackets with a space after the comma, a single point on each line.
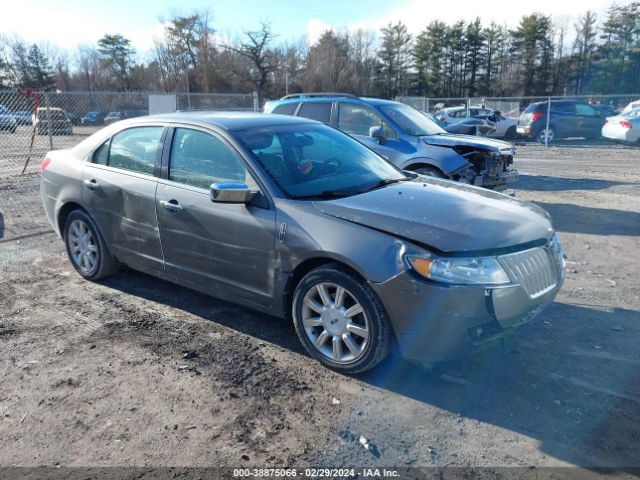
[86, 248]
[340, 320]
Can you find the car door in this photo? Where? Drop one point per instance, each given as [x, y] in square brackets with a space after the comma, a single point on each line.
[119, 189]
[564, 119]
[356, 119]
[589, 122]
[224, 248]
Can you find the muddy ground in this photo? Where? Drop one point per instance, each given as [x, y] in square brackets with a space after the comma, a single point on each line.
[135, 371]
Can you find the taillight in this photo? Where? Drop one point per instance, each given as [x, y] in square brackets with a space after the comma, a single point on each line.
[625, 124]
[535, 116]
[45, 163]
[606, 120]
[442, 119]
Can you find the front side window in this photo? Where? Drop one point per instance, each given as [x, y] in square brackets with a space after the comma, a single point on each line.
[135, 149]
[308, 160]
[586, 110]
[320, 111]
[358, 119]
[200, 159]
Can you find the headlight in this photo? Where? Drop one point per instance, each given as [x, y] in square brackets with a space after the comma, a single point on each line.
[465, 270]
[557, 252]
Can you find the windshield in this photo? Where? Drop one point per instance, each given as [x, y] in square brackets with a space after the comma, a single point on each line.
[310, 160]
[411, 121]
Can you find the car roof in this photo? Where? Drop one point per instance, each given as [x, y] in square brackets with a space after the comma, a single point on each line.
[228, 120]
[335, 98]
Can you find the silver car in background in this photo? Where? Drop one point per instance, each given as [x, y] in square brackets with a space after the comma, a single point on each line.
[624, 127]
[296, 219]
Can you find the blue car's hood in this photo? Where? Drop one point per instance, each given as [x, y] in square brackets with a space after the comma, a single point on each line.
[447, 216]
[451, 140]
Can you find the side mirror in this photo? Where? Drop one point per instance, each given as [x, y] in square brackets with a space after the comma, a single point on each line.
[231, 192]
[378, 133]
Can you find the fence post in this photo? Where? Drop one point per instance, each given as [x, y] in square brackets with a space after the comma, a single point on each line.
[424, 104]
[427, 106]
[256, 102]
[48, 106]
[468, 105]
[546, 134]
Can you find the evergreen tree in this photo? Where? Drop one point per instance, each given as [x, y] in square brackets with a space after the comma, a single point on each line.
[394, 59]
[117, 56]
[40, 71]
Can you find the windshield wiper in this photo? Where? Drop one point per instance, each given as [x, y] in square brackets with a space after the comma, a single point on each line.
[348, 193]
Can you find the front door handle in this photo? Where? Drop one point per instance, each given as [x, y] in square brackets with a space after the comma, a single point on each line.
[91, 184]
[172, 205]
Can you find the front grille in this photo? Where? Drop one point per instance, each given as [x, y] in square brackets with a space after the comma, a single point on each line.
[533, 269]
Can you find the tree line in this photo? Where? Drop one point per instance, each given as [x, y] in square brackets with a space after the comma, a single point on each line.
[538, 56]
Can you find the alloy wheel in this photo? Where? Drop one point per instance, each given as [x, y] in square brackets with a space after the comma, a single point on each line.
[83, 246]
[335, 322]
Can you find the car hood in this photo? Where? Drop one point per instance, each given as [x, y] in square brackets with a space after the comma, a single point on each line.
[467, 141]
[445, 216]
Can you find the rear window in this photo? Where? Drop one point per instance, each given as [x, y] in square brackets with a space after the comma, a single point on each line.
[320, 111]
[286, 108]
[534, 107]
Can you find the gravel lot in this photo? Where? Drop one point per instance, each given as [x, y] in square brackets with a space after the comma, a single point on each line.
[135, 371]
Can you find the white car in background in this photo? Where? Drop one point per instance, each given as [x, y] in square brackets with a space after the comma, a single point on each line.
[631, 106]
[624, 127]
[505, 126]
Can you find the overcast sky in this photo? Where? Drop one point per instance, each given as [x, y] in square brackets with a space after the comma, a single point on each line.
[67, 23]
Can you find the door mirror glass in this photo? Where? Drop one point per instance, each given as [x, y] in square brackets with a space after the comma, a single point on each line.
[377, 132]
[231, 192]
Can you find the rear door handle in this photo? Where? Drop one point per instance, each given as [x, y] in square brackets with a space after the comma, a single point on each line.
[91, 184]
[172, 205]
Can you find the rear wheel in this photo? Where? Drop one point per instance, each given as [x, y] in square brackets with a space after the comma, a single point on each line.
[546, 135]
[430, 172]
[340, 320]
[86, 248]
[511, 133]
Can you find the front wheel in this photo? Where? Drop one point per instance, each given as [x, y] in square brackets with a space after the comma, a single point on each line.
[86, 248]
[340, 320]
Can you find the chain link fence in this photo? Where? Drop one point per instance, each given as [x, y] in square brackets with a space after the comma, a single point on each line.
[512, 107]
[32, 123]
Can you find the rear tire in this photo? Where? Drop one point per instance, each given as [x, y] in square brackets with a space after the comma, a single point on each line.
[550, 134]
[86, 248]
[340, 320]
[430, 172]
[511, 134]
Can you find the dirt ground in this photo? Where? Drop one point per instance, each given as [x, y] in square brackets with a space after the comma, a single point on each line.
[134, 371]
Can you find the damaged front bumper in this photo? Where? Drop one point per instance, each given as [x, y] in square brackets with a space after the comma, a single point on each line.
[435, 322]
[489, 169]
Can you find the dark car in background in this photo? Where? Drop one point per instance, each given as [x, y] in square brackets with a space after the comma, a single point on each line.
[7, 120]
[294, 218]
[23, 117]
[568, 119]
[407, 137]
[93, 118]
[113, 117]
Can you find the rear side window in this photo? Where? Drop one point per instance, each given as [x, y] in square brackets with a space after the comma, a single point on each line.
[101, 155]
[320, 111]
[286, 108]
[563, 108]
[135, 149]
[200, 159]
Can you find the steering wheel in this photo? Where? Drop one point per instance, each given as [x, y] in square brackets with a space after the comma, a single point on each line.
[329, 166]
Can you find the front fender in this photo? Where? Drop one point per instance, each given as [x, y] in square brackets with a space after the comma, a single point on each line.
[444, 159]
